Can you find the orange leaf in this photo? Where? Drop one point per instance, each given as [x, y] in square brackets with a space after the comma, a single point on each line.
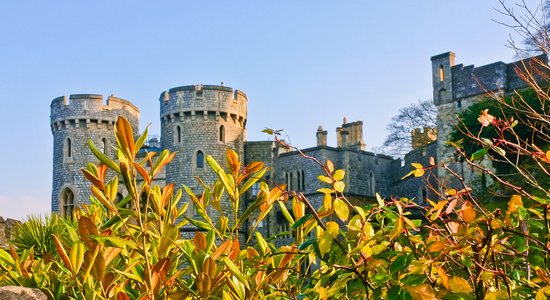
[468, 212]
[86, 228]
[254, 167]
[199, 241]
[233, 161]
[61, 251]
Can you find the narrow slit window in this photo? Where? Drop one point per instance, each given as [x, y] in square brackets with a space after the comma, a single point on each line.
[178, 134]
[200, 160]
[104, 145]
[68, 148]
[441, 73]
[222, 134]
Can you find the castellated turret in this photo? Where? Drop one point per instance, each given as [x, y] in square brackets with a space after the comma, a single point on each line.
[73, 121]
[200, 120]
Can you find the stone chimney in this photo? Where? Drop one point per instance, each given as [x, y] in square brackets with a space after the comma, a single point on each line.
[350, 135]
[321, 136]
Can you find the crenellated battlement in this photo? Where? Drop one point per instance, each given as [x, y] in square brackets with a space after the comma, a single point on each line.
[196, 102]
[87, 110]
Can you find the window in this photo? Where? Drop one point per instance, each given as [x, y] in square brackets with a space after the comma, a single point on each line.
[67, 203]
[200, 160]
[178, 134]
[303, 183]
[299, 181]
[143, 201]
[255, 189]
[221, 136]
[104, 145]
[372, 182]
[68, 148]
[441, 73]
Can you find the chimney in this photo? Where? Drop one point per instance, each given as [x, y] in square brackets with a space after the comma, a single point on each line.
[321, 136]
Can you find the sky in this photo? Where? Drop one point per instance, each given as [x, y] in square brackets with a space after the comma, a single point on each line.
[301, 63]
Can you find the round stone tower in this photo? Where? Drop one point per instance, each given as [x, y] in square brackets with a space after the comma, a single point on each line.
[200, 120]
[73, 121]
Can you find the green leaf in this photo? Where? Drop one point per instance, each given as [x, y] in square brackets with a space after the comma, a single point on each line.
[301, 221]
[380, 278]
[479, 154]
[306, 244]
[102, 157]
[401, 263]
[113, 241]
[414, 279]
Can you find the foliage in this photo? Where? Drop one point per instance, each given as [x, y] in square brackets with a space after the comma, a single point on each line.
[419, 115]
[37, 231]
[339, 251]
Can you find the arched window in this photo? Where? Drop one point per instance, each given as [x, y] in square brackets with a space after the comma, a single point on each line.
[290, 182]
[178, 134]
[67, 203]
[104, 145]
[299, 181]
[441, 73]
[221, 136]
[68, 148]
[200, 160]
[372, 182]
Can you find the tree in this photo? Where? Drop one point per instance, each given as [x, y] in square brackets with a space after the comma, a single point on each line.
[418, 115]
[531, 24]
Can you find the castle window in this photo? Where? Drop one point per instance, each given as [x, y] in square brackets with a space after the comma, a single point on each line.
[178, 134]
[67, 203]
[200, 160]
[142, 201]
[255, 189]
[372, 182]
[221, 136]
[104, 145]
[68, 148]
[290, 181]
[441, 73]
[303, 183]
[299, 181]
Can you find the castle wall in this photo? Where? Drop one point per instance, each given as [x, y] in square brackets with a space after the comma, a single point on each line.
[7, 226]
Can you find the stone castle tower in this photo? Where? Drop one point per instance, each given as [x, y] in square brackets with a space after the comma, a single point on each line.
[74, 121]
[201, 120]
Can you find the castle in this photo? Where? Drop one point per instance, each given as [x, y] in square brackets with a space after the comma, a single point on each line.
[200, 120]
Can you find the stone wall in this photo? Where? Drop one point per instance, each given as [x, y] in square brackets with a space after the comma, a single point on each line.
[6, 231]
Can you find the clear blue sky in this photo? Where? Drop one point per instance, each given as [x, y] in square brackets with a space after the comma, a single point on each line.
[301, 63]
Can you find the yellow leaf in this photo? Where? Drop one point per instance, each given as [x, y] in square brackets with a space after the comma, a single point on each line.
[339, 175]
[459, 285]
[422, 292]
[324, 179]
[327, 202]
[514, 203]
[322, 293]
[417, 166]
[543, 293]
[333, 228]
[341, 209]
[500, 295]
[468, 212]
[418, 172]
[330, 166]
[339, 186]
[398, 228]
